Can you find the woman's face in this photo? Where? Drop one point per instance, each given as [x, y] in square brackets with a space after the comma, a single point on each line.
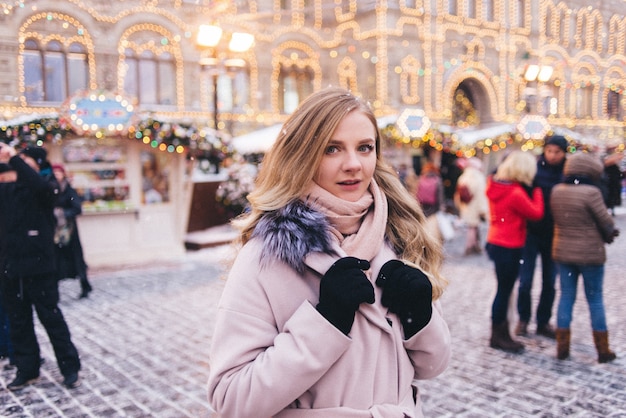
[349, 161]
[59, 174]
[554, 154]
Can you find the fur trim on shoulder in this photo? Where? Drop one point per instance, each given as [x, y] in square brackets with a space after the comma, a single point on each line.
[292, 232]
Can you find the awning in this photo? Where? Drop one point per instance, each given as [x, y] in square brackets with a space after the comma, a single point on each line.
[258, 141]
[469, 136]
[575, 136]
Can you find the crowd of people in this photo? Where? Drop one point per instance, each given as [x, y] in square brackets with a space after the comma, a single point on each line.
[39, 245]
[553, 207]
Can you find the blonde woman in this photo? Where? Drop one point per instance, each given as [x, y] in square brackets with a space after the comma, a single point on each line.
[511, 204]
[331, 306]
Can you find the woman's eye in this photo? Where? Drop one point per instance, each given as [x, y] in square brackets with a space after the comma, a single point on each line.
[331, 149]
[366, 148]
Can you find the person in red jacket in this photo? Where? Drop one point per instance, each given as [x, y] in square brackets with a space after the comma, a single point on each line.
[511, 204]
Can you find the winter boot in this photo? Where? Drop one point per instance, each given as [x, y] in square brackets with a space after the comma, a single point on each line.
[546, 330]
[521, 328]
[501, 339]
[601, 339]
[562, 343]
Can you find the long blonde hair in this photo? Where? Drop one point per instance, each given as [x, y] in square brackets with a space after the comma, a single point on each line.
[289, 167]
[519, 166]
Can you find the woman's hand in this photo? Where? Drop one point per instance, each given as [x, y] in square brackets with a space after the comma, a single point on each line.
[342, 289]
[407, 292]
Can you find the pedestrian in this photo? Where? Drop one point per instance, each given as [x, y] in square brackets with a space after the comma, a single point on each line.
[7, 175]
[27, 266]
[471, 201]
[612, 178]
[69, 251]
[582, 226]
[539, 237]
[331, 306]
[512, 202]
[431, 198]
[430, 189]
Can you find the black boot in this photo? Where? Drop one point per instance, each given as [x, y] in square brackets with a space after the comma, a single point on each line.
[21, 380]
[501, 339]
[85, 287]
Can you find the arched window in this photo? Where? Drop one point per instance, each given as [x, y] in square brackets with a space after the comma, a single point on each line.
[150, 77]
[77, 70]
[614, 105]
[52, 71]
[584, 102]
[33, 72]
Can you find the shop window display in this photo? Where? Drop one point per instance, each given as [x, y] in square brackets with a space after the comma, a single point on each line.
[98, 173]
[155, 178]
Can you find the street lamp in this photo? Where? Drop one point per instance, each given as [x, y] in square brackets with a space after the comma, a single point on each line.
[538, 74]
[209, 36]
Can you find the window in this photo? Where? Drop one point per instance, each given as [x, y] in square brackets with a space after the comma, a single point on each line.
[150, 77]
[233, 87]
[296, 84]
[53, 72]
[471, 9]
[452, 7]
[521, 10]
[614, 105]
[488, 10]
[584, 96]
[240, 91]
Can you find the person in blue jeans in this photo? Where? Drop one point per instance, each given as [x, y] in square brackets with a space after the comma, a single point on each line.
[539, 242]
[582, 226]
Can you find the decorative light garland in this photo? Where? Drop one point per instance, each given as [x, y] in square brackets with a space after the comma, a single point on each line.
[171, 137]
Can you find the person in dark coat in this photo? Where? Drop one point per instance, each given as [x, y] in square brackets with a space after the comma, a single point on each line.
[7, 175]
[70, 259]
[28, 266]
[612, 178]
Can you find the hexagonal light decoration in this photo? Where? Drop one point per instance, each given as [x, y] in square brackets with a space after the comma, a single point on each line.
[413, 123]
[533, 127]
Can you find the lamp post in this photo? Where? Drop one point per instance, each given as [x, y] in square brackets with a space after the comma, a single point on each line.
[209, 36]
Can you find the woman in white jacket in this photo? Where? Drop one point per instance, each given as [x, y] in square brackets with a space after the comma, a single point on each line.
[330, 308]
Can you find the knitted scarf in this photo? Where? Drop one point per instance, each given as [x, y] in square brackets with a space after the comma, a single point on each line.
[358, 226]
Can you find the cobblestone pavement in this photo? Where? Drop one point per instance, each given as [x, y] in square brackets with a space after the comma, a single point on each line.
[144, 334]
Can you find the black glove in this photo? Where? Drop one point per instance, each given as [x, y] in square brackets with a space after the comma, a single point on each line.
[342, 289]
[408, 293]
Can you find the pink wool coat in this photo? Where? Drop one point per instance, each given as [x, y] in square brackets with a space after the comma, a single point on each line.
[274, 355]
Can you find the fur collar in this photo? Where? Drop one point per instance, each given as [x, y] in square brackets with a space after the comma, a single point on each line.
[290, 233]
